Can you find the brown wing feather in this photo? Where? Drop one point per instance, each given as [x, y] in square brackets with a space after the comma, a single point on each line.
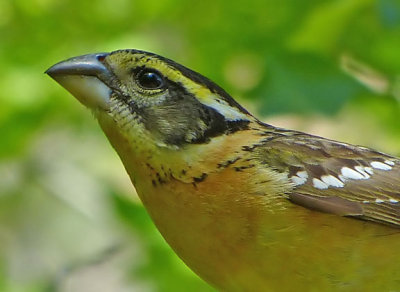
[333, 205]
[337, 178]
[377, 197]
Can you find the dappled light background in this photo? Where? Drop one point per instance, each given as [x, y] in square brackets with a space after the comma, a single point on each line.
[69, 218]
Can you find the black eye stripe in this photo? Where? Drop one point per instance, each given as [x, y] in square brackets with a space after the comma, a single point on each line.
[150, 79]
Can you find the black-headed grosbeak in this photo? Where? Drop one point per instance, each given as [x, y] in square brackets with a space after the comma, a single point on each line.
[247, 206]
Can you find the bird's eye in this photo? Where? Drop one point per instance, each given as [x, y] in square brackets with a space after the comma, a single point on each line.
[150, 79]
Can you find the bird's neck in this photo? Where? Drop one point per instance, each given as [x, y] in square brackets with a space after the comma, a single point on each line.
[144, 159]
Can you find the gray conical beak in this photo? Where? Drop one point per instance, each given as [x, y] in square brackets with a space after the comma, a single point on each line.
[84, 77]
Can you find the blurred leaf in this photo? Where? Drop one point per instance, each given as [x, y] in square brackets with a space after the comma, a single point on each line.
[303, 84]
[325, 24]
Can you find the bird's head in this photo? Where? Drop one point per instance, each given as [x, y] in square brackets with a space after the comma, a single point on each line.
[150, 99]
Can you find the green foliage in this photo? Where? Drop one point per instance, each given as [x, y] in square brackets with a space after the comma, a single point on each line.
[63, 192]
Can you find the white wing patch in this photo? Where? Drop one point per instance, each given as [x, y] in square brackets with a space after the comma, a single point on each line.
[351, 173]
[332, 181]
[346, 173]
[369, 170]
[381, 201]
[300, 177]
[319, 184]
[381, 165]
[361, 169]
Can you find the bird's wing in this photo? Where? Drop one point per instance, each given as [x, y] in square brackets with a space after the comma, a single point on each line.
[336, 177]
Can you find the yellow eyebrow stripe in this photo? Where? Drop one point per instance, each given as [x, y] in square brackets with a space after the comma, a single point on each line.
[199, 91]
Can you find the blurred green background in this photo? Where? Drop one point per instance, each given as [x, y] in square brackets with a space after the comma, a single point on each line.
[69, 219]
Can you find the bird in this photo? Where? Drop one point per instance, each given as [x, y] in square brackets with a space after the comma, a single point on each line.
[246, 205]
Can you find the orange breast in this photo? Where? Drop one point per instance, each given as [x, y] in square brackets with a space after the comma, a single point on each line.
[239, 241]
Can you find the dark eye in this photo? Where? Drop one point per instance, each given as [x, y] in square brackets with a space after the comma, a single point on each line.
[150, 79]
